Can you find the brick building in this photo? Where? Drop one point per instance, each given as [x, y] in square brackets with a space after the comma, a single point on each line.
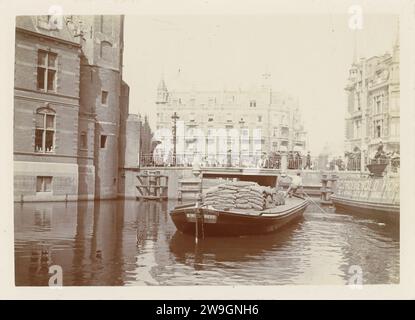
[70, 109]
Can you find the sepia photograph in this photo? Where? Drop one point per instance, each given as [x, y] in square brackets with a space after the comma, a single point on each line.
[220, 149]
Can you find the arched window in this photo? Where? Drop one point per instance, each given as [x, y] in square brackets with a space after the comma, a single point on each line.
[45, 130]
[105, 50]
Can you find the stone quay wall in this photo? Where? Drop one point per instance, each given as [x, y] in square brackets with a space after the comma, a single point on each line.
[311, 178]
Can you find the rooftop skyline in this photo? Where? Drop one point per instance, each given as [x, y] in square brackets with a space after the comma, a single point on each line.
[308, 58]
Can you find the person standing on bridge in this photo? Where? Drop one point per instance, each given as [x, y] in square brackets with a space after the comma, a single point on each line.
[308, 161]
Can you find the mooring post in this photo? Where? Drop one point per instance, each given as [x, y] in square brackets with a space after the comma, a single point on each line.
[196, 224]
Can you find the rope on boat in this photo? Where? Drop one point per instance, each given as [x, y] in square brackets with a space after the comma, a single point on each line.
[203, 226]
[196, 224]
[197, 231]
[202, 218]
[315, 203]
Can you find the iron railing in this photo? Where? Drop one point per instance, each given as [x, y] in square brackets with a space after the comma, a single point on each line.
[229, 160]
[261, 161]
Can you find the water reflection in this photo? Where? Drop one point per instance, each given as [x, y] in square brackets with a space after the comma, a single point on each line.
[135, 243]
[229, 249]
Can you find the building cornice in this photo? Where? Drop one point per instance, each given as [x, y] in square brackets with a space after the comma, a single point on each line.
[101, 67]
[47, 99]
[52, 155]
[41, 35]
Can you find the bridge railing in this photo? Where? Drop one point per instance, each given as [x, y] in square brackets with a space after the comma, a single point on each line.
[186, 160]
[260, 161]
[230, 160]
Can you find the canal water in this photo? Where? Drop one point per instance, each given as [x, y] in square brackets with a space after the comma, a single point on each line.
[116, 243]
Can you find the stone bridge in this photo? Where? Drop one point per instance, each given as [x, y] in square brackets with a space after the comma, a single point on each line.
[177, 176]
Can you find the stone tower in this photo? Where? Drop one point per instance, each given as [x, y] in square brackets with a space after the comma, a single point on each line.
[101, 89]
[162, 93]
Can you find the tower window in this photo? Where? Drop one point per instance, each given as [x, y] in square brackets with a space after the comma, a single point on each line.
[103, 141]
[104, 97]
[83, 140]
[252, 103]
[105, 50]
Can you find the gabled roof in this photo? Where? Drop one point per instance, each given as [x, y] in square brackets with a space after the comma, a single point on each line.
[34, 24]
[162, 85]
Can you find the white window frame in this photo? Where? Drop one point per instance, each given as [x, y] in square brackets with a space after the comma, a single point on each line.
[46, 68]
[44, 112]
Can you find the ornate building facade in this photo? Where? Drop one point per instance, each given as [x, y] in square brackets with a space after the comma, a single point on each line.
[241, 122]
[71, 122]
[373, 104]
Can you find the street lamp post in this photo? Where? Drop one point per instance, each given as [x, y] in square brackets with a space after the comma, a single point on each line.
[140, 143]
[241, 124]
[174, 117]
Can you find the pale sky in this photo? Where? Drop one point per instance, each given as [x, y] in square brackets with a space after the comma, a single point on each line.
[308, 57]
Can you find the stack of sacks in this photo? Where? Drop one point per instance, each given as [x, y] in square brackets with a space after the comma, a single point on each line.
[220, 197]
[239, 195]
